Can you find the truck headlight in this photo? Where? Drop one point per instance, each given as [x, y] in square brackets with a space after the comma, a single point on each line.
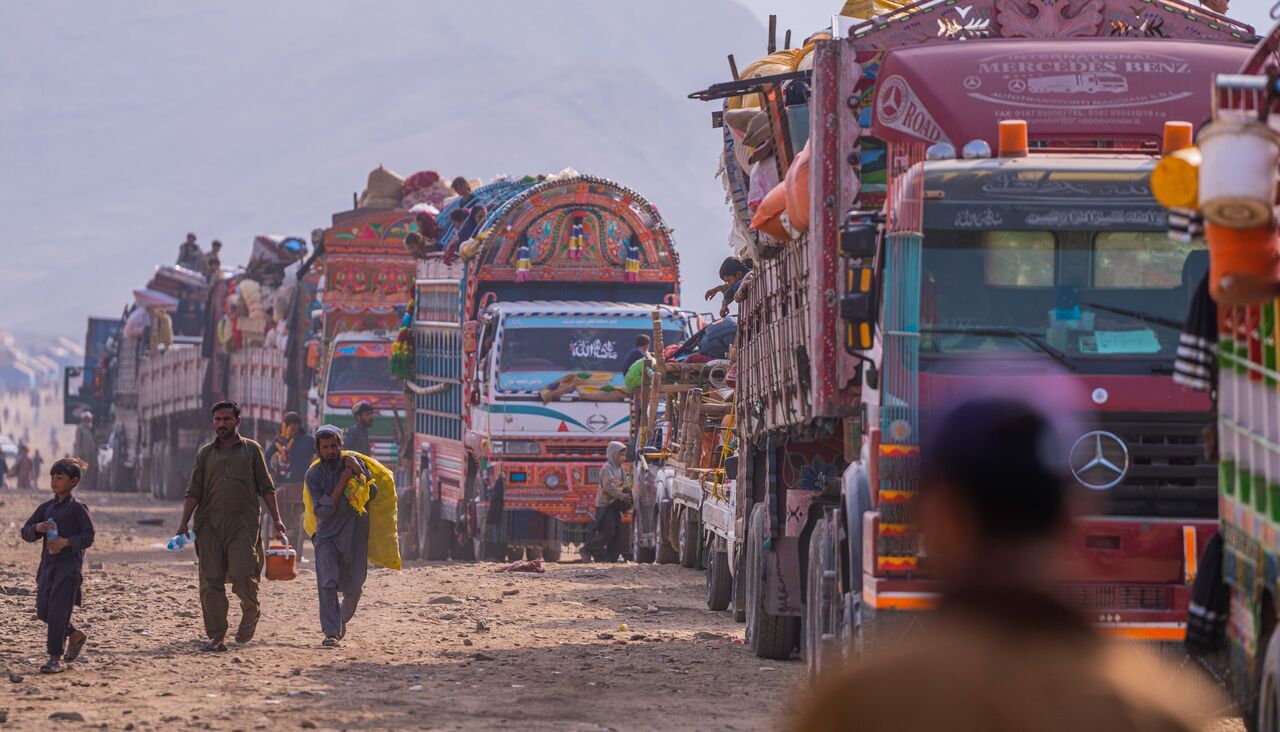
[516, 447]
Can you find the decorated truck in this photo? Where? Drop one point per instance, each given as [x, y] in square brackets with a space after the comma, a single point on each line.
[186, 341]
[1226, 188]
[518, 346]
[683, 432]
[368, 280]
[916, 248]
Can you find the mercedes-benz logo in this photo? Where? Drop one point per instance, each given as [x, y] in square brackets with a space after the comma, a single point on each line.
[1099, 460]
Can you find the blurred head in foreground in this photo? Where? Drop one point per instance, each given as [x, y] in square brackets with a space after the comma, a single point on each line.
[993, 496]
[999, 652]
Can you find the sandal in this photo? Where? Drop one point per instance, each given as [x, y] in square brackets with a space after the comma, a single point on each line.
[53, 666]
[330, 642]
[215, 645]
[248, 626]
[75, 646]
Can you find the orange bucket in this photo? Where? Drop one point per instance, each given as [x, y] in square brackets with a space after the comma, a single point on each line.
[1244, 264]
[282, 562]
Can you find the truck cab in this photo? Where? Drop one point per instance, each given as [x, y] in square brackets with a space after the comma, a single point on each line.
[358, 368]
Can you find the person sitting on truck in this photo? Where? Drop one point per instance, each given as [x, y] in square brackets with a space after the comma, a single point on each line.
[1000, 652]
[288, 456]
[212, 260]
[635, 354]
[357, 437]
[612, 500]
[462, 188]
[733, 272]
[189, 253]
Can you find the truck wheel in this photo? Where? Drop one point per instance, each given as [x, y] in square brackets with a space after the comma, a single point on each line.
[771, 636]
[158, 451]
[641, 554]
[174, 464]
[664, 552]
[1266, 714]
[688, 537]
[818, 631]
[739, 608]
[434, 534]
[463, 551]
[552, 551]
[719, 581]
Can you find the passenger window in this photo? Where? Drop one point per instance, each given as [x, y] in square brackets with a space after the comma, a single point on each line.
[1019, 258]
[1141, 259]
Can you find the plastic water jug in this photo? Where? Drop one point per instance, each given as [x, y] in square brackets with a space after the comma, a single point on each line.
[177, 543]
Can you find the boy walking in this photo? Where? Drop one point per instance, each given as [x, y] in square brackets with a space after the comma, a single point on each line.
[64, 525]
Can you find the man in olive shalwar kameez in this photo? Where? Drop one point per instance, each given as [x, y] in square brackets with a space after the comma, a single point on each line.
[229, 478]
[341, 540]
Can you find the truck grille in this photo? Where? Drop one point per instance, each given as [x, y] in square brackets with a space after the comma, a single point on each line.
[1116, 597]
[583, 451]
[1168, 475]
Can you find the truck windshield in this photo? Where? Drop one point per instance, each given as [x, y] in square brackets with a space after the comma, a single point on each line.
[363, 372]
[536, 352]
[1089, 298]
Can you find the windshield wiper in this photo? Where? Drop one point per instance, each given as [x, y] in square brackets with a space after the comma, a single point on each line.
[1008, 332]
[1145, 317]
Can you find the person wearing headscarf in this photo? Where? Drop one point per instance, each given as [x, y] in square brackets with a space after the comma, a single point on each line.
[613, 499]
[341, 539]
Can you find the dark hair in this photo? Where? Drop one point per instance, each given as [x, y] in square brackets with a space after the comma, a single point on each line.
[226, 404]
[215, 245]
[459, 181]
[291, 418]
[1006, 460]
[361, 408]
[71, 467]
[458, 215]
[732, 266]
[642, 340]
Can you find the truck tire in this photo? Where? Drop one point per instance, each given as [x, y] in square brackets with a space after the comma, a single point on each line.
[664, 552]
[719, 580]
[552, 551]
[771, 636]
[739, 608]
[1265, 715]
[158, 451]
[177, 469]
[434, 534]
[641, 554]
[688, 535]
[818, 631]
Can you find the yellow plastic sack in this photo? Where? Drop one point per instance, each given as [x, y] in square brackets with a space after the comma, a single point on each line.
[384, 539]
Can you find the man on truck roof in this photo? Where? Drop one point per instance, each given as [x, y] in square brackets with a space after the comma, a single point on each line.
[1001, 653]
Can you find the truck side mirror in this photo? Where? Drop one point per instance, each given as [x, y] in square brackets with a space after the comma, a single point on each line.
[470, 336]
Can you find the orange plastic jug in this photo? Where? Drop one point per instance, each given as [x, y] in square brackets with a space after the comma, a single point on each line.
[282, 562]
[1244, 264]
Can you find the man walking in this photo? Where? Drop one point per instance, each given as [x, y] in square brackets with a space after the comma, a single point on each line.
[612, 500]
[288, 456]
[341, 540]
[86, 449]
[357, 437]
[229, 478]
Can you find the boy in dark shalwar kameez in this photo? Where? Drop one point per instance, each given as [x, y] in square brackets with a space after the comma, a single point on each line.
[341, 540]
[58, 579]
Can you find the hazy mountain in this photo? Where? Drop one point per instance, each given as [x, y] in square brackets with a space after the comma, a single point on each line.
[124, 125]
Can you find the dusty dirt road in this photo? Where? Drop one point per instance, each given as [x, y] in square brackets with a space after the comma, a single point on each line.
[436, 646]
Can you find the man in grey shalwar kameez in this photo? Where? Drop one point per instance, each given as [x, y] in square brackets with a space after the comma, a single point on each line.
[341, 540]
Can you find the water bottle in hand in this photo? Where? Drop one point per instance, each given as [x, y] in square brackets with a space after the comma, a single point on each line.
[177, 543]
[52, 532]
